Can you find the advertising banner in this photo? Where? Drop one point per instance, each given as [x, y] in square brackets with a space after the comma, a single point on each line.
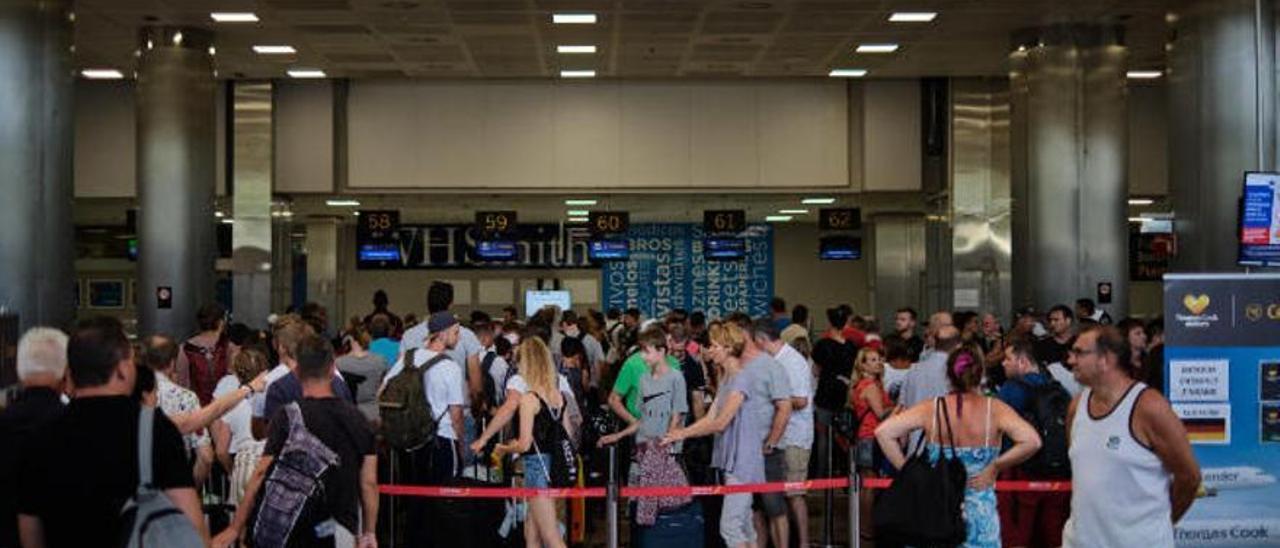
[669, 269]
[1222, 358]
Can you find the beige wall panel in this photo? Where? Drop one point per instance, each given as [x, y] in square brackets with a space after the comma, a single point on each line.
[803, 135]
[380, 116]
[891, 135]
[451, 150]
[655, 135]
[104, 140]
[519, 135]
[587, 135]
[304, 137]
[724, 136]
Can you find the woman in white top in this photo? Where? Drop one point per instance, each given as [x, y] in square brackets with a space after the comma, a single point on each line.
[233, 441]
[539, 371]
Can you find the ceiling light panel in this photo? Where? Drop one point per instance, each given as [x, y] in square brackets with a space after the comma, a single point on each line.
[913, 17]
[573, 18]
[233, 17]
[877, 48]
[274, 50]
[575, 49]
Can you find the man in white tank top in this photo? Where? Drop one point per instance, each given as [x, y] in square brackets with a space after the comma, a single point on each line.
[1134, 474]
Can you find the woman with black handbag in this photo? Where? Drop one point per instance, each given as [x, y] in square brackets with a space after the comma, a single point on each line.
[944, 494]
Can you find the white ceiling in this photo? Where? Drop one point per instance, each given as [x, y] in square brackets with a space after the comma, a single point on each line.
[635, 38]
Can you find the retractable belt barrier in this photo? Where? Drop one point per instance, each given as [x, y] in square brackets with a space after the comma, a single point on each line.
[680, 491]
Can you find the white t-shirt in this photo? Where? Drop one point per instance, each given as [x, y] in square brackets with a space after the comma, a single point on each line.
[259, 400]
[1065, 378]
[799, 432]
[894, 378]
[443, 384]
[468, 345]
[497, 370]
[239, 418]
[517, 383]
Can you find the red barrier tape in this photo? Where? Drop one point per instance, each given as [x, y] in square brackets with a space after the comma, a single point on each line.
[699, 490]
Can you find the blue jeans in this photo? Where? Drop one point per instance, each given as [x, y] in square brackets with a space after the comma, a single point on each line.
[537, 471]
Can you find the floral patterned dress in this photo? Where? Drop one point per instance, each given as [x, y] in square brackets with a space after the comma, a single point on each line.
[981, 519]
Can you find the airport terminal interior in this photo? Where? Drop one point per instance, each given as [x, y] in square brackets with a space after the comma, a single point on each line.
[631, 163]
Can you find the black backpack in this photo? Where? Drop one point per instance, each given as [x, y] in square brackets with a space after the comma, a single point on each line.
[491, 389]
[408, 421]
[1046, 410]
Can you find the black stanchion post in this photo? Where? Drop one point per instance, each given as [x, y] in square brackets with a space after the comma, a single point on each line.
[829, 497]
[611, 500]
[391, 500]
[855, 528]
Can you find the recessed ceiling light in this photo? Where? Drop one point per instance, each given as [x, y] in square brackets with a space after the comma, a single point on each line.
[102, 74]
[306, 73]
[913, 16]
[877, 48]
[233, 17]
[219, 214]
[777, 218]
[356, 213]
[577, 213]
[1144, 74]
[577, 74]
[342, 203]
[793, 211]
[573, 18]
[818, 201]
[1136, 219]
[578, 219]
[228, 221]
[575, 49]
[578, 202]
[1141, 201]
[274, 50]
[847, 73]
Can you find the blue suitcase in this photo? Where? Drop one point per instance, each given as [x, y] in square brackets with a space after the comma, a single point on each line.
[677, 528]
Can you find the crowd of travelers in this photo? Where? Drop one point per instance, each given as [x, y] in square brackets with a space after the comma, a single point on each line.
[281, 437]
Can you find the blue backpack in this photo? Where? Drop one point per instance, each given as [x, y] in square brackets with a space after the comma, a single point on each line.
[151, 518]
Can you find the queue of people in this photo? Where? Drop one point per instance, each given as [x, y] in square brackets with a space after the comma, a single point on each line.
[298, 449]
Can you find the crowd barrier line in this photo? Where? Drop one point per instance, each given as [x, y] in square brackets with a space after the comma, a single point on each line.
[681, 491]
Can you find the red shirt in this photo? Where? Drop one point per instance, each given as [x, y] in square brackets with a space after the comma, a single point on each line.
[855, 335]
[867, 419]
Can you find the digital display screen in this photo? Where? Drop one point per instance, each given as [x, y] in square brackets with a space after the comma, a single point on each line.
[535, 300]
[724, 249]
[1260, 220]
[379, 252]
[133, 249]
[609, 250]
[496, 250]
[840, 248]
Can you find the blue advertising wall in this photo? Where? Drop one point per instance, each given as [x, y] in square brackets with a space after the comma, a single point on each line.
[1222, 375]
[667, 270]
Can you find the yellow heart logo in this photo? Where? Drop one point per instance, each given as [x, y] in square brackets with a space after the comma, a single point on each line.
[1196, 304]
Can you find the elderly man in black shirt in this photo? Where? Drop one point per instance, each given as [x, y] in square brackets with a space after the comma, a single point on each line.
[78, 472]
[42, 363]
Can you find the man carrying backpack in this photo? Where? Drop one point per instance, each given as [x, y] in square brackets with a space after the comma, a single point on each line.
[317, 482]
[1035, 518]
[76, 474]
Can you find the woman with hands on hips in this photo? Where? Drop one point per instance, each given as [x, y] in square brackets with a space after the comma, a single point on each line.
[978, 424]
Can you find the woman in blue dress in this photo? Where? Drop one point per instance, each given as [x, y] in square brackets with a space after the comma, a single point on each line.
[978, 423]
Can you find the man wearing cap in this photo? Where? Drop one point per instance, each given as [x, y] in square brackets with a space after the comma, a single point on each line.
[443, 383]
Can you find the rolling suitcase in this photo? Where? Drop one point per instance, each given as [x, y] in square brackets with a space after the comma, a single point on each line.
[676, 528]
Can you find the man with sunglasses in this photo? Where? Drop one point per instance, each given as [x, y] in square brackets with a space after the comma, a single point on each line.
[1134, 475]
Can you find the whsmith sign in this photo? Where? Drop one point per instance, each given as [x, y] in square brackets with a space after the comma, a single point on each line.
[454, 247]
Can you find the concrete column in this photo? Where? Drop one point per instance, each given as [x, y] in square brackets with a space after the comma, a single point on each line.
[37, 269]
[176, 148]
[1069, 155]
[322, 268]
[252, 172]
[1222, 122]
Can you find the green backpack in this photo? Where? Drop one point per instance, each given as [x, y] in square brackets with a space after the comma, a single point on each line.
[407, 421]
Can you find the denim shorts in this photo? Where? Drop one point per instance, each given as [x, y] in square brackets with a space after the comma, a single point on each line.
[537, 471]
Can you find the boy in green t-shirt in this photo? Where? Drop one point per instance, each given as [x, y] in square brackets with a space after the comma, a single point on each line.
[627, 387]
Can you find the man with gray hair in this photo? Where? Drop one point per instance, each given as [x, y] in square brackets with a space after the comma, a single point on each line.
[42, 364]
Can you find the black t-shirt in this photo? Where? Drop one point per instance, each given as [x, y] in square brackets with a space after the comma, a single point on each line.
[19, 423]
[694, 380]
[914, 344]
[344, 430]
[835, 359]
[79, 472]
[1050, 351]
